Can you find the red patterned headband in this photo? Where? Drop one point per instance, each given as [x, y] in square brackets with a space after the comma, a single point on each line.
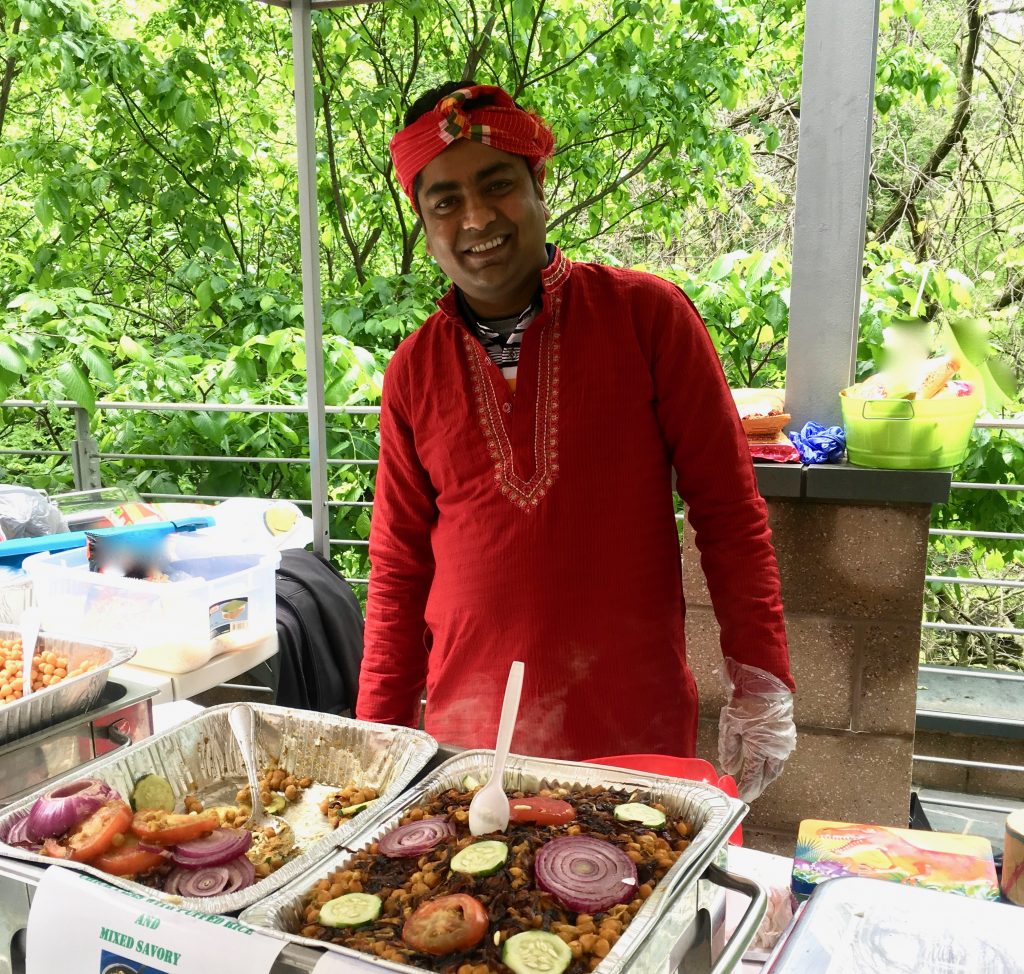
[498, 123]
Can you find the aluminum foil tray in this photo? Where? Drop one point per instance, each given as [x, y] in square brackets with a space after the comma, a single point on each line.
[713, 814]
[200, 757]
[70, 697]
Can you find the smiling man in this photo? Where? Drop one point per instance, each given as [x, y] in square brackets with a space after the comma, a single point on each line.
[523, 508]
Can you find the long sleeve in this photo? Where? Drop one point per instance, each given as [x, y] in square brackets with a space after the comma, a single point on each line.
[715, 479]
[394, 664]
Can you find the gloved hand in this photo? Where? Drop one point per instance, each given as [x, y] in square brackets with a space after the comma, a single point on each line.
[756, 732]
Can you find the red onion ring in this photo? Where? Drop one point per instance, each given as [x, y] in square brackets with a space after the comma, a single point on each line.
[585, 874]
[220, 846]
[17, 834]
[229, 877]
[416, 838]
[63, 807]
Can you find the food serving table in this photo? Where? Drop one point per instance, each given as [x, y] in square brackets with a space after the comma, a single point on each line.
[688, 937]
[169, 687]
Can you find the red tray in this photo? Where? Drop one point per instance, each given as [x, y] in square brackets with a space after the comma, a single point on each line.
[691, 769]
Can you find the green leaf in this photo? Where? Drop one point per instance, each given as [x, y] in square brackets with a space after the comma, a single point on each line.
[760, 268]
[131, 349]
[97, 363]
[12, 360]
[76, 384]
[204, 294]
[363, 524]
[721, 267]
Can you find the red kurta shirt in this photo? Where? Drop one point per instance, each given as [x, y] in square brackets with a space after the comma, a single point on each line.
[539, 525]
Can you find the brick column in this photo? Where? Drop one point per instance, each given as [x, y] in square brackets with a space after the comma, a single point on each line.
[852, 582]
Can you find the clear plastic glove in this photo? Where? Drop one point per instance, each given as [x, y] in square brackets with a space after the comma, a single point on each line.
[756, 732]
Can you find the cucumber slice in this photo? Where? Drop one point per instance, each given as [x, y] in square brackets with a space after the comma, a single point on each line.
[644, 814]
[350, 910]
[277, 804]
[357, 808]
[152, 791]
[470, 783]
[536, 952]
[480, 858]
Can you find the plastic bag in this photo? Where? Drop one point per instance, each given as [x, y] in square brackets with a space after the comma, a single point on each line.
[756, 732]
[818, 444]
[27, 513]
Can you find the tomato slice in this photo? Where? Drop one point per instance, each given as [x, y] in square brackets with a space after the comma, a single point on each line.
[446, 924]
[128, 859]
[165, 828]
[92, 836]
[543, 811]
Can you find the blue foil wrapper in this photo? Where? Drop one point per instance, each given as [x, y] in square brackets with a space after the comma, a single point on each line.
[818, 444]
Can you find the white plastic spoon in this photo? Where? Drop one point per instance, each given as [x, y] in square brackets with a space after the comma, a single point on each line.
[30, 622]
[489, 810]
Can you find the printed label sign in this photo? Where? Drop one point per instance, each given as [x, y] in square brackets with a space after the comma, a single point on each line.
[80, 925]
[228, 616]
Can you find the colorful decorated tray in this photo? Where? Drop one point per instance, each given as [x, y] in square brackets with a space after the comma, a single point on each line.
[933, 860]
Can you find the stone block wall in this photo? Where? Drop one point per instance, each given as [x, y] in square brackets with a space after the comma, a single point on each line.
[852, 581]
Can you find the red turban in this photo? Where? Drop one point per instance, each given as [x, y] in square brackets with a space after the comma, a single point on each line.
[499, 123]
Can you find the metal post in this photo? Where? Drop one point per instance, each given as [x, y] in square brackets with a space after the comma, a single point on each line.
[305, 137]
[85, 461]
[836, 103]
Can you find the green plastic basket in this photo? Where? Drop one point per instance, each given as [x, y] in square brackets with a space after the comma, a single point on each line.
[908, 434]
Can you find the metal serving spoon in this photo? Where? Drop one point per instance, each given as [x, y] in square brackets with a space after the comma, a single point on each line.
[242, 720]
[489, 809]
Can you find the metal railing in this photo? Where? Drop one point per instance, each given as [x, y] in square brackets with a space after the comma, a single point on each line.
[87, 462]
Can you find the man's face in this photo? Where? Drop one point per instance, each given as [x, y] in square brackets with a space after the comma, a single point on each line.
[484, 219]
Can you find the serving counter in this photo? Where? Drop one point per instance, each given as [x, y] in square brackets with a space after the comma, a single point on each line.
[688, 933]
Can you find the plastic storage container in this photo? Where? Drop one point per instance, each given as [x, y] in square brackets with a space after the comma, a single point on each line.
[15, 594]
[224, 601]
[908, 434]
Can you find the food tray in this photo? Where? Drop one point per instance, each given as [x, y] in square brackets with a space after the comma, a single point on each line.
[201, 757]
[713, 814]
[70, 697]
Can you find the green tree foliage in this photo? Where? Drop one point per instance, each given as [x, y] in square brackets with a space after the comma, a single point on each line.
[148, 202]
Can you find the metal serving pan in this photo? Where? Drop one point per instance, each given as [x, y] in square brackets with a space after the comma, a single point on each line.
[200, 757]
[856, 925]
[713, 814]
[68, 698]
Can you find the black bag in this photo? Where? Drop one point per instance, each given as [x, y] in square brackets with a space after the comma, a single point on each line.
[320, 636]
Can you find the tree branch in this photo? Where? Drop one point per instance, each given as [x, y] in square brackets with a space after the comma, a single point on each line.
[961, 118]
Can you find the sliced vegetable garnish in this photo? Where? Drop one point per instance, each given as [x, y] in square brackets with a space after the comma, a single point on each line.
[446, 925]
[277, 804]
[92, 837]
[357, 808]
[213, 880]
[17, 834]
[220, 846]
[152, 791]
[350, 910]
[536, 952]
[585, 874]
[644, 814]
[130, 858]
[480, 858]
[164, 828]
[470, 782]
[415, 838]
[64, 807]
[543, 811]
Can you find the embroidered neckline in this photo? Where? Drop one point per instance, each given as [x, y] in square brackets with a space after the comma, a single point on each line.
[525, 494]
